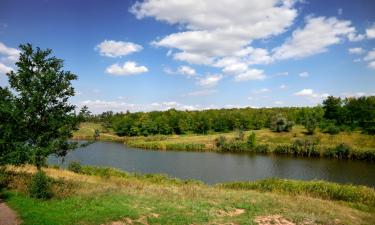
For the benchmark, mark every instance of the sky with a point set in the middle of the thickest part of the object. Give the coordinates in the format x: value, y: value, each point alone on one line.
x: 191, y: 55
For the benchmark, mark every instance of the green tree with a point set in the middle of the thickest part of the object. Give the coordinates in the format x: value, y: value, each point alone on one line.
x: 42, y: 90
x: 333, y: 109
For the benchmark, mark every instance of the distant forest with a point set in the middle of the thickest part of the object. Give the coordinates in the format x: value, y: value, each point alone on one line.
x: 334, y: 115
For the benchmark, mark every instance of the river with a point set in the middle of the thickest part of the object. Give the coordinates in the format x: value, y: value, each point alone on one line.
x: 214, y: 167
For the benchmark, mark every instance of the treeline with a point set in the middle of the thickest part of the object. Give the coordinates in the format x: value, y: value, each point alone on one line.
x: 334, y: 115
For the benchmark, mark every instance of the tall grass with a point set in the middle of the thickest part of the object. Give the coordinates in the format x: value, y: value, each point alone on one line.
x: 317, y: 189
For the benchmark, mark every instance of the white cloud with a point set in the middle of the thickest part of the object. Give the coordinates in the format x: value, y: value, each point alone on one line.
x: 356, y: 51
x: 370, y: 32
x: 210, y: 80
x: 202, y: 92
x: 187, y: 71
x: 356, y: 37
x: 112, y: 48
x: 193, y: 58
x: 4, y: 69
x: 98, y: 106
x: 370, y: 58
x: 315, y: 37
x: 371, y: 65
x: 283, y: 86
x: 11, y: 54
x: 214, y: 30
x: 129, y: 68
x: 370, y: 55
x: 251, y: 74
x: 309, y: 93
x: 304, y: 74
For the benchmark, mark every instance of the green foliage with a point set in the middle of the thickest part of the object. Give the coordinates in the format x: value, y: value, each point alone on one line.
x: 350, y: 113
x: 331, y: 129
x: 96, y: 135
x: 311, y: 119
x: 40, y: 186
x: 280, y: 124
x: 75, y: 167
x: 4, y: 178
x: 318, y: 189
x: 220, y: 141
x: 341, y: 151
x: 240, y: 134
x: 251, y: 140
x: 40, y: 118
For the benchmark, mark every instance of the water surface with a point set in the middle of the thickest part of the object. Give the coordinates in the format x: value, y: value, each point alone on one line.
x: 213, y: 167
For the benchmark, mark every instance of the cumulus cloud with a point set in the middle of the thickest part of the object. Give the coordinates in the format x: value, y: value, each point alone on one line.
x: 98, y: 106
x: 370, y: 58
x: 356, y: 51
x: 215, y: 30
x: 8, y: 56
x: 209, y: 80
x: 311, y: 94
x: 113, y: 49
x: 4, y: 69
x: 304, y: 74
x: 250, y: 74
x: 187, y: 71
x: 11, y: 54
x: 128, y: 68
x: 370, y: 32
x: 315, y: 37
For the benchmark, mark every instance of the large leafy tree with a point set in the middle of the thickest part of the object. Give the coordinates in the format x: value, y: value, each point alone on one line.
x: 42, y: 90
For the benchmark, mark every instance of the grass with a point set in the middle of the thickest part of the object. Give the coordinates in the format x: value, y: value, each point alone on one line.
x: 87, y: 129
x: 362, y: 146
x: 109, y: 195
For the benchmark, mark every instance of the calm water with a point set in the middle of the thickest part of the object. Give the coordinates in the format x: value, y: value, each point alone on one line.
x: 212, y: 167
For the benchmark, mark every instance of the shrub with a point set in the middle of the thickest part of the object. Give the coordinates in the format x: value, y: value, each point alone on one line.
x: 75, y: 167
x: 251, y: 141
x: 40, y: 186
x: 220, y: 141
x: 240, y: 135
x: 341, y: 151
x: 263, y: 148
x: 280, y: 124
x: 330, y: 127
x: 4, y: 178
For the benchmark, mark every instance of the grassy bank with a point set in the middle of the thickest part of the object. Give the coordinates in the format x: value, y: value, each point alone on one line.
x: 353, y: 145
x: 103, y: 196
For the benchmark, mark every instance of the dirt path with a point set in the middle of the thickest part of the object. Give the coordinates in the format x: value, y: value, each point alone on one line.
x: 7, y: 215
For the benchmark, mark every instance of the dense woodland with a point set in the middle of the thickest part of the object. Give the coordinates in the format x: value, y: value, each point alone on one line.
x: 334, y: 115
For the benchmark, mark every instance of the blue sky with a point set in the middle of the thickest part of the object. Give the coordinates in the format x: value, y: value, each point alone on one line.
x: 155, y: 55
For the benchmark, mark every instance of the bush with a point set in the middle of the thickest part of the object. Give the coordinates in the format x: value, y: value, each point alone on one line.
x: 330, y: 128
x: 75, y: 167
x: 40, y: 186
x: 220, y: 141
x: 251, y: 141
x: 281, y: 124
x: 4, y: 178
x: 263, y: 148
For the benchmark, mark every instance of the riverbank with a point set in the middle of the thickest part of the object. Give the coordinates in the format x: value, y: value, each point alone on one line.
x: 105, y: 196
x: 354, y: 145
